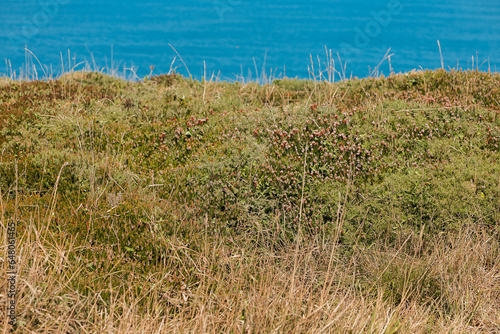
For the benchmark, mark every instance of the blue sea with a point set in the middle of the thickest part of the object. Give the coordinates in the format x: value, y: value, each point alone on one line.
x: 235, y: 39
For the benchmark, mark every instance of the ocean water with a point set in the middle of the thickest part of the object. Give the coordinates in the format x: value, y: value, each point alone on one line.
x: 239, y: 38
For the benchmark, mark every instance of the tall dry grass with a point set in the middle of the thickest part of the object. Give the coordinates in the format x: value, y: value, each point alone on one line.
x: 448, y: 283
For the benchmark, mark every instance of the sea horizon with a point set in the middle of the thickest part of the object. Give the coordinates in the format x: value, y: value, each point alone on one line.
x: 233, y: 40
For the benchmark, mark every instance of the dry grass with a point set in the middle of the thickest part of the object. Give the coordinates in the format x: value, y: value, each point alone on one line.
x: 450, y: 284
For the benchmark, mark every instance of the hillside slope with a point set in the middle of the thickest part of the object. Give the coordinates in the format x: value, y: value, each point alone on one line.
x: 175, y: 205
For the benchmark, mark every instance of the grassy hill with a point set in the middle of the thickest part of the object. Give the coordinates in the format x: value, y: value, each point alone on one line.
x: 174, y: 205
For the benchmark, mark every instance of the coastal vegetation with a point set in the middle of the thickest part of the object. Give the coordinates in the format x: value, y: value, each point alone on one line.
x: 300, y: 206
